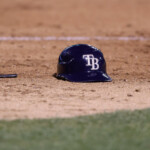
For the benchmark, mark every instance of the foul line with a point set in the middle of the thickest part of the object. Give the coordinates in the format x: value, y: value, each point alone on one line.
x: 53, y: 38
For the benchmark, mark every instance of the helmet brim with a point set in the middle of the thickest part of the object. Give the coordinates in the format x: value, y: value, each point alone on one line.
x: 85, y: 77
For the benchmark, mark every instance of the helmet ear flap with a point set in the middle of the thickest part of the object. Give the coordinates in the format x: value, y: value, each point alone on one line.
x: 65, y: 58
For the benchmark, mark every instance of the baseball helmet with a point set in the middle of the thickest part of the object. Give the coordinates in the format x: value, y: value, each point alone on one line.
x: 82, y: 63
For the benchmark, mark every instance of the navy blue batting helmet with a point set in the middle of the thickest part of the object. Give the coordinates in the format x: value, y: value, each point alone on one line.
x: 82, y: 63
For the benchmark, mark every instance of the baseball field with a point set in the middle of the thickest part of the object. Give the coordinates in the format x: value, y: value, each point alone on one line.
x: 38, y: 111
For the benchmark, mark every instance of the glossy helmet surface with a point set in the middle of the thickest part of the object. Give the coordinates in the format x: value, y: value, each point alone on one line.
x: 82, y: 63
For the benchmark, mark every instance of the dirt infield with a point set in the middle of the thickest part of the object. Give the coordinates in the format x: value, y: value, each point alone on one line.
x: 36, y: 93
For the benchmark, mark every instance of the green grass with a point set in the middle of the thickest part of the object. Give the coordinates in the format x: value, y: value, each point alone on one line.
x: 116, y: 131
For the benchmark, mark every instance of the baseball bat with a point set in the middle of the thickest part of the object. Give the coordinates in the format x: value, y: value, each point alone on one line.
x: 8, y: 75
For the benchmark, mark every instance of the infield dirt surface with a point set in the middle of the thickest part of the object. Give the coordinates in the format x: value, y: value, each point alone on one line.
x: 36, y: 93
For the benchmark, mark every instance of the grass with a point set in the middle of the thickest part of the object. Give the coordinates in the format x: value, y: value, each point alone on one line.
x: 116, y: 131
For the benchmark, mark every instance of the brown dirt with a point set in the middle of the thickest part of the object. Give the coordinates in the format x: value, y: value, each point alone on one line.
x: 36, y: 93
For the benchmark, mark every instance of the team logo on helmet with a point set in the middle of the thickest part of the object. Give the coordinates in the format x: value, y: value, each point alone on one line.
x: 91, y: 61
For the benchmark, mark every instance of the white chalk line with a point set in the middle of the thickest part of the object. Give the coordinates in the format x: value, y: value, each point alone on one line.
x: 53, y: 38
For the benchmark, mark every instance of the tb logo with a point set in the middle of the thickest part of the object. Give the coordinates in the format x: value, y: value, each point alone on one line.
x: 91, y: 61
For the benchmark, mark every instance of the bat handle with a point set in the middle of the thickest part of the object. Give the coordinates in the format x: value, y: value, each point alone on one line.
x: 8, y: 75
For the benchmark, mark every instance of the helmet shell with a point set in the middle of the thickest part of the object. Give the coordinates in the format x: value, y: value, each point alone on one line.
x: 82, y: 63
